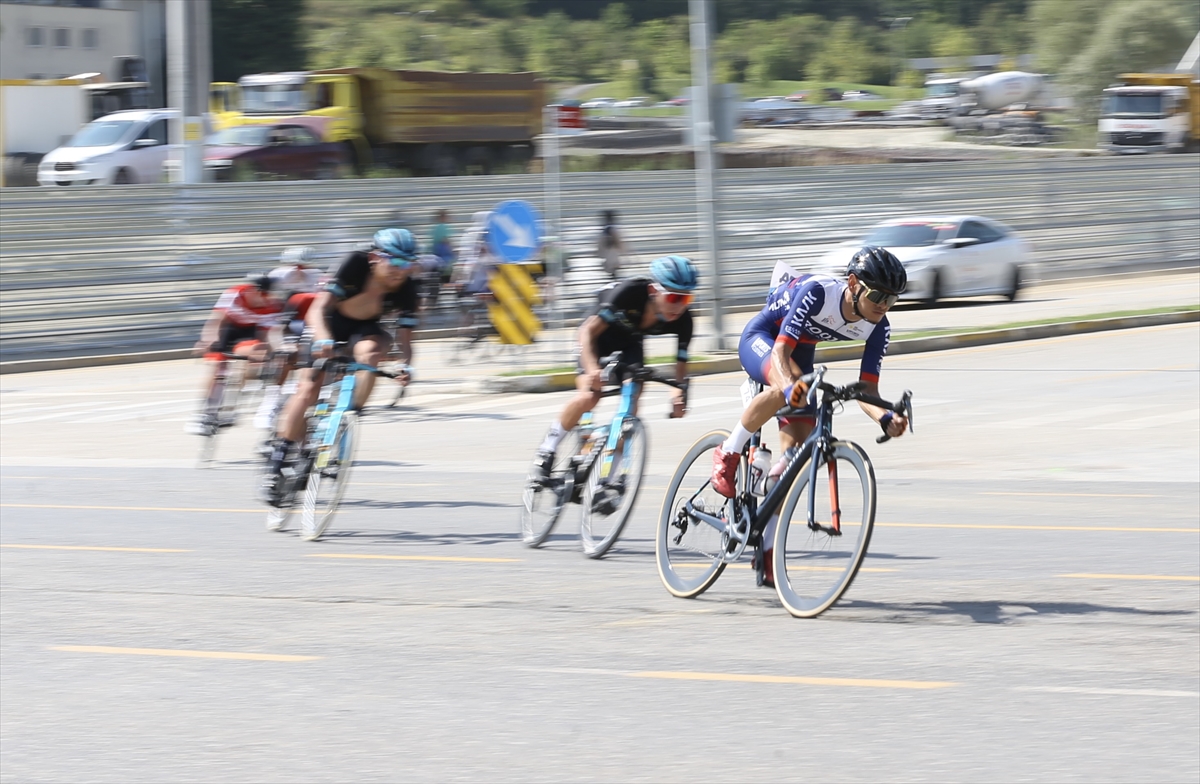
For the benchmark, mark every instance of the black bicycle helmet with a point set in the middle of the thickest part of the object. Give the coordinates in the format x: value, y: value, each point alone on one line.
x: 260, y: 280
x: 879, y: 270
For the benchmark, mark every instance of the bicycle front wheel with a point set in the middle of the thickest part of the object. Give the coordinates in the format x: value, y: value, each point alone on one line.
x: 543, y: 499
x: 814, y: 563
x: 611, y: 489
x: 690, y: 550
x: 328, y: 479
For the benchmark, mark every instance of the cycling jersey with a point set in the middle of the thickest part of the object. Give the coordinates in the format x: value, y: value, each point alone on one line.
x: 351, y: 280
x: 295, y: 312
x: 245, y: 305
x: 621, y: 307
x: 801, y: 313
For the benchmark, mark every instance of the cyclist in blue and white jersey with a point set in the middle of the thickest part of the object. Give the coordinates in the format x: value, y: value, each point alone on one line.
x: 778, y: 345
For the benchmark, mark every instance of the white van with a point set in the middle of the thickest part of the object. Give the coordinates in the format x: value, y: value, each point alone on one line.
x: 118, y: 149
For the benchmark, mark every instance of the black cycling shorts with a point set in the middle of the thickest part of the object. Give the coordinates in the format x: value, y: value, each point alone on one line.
x: 231, y: 334
x: 348, y: 330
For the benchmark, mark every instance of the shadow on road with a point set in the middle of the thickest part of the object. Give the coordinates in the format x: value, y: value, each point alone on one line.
x: 992, y: 612
x: 415, y: 537
x: 407, y: 413
x: 374, y: 504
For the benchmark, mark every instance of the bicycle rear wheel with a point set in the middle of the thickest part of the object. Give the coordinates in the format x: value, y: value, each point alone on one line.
x: 328, y: 479
x: 813, y: 567
x: 542, y: 500
x: 609, y: 500
x: 691, y: 552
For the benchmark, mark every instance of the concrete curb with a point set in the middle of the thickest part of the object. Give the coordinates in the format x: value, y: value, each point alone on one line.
x: 558, y: 382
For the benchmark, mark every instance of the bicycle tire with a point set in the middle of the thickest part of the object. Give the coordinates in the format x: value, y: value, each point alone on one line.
x: 211, y: 419
x: 816, y: 568
x: 327, y: 484
x: 542, y: 501
x: 689, y: 569
x: 598, y: 530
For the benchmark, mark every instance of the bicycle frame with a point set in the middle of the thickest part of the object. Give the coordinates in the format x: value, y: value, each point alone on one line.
x: 329, y: 421
x: 629, y: 393
x: 752, y: 516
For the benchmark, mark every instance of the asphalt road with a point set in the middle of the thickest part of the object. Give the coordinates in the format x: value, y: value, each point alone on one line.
x: 1029, y: 611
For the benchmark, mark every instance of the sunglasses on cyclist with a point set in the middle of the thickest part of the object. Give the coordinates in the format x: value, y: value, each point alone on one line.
x: 677, y: 297
x: 396, y: 261
x: 880, y: 297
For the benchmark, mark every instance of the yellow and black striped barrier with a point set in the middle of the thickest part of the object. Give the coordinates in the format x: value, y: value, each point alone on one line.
x: 516, y: 295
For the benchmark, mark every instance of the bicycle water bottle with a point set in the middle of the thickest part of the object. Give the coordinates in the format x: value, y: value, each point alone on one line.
x: 778, y: 469
x: 760, y: 466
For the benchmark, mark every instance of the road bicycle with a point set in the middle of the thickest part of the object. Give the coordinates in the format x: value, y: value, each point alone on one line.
x: 599, y: 468
x: 222, y: 405
x: 321, y: 468
x: 812, y: 559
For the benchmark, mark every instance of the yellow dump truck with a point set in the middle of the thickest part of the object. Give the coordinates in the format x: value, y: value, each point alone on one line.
x: 432, y: 122
x: 1151, y: 113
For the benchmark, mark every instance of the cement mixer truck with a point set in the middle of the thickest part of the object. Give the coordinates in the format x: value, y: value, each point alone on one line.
x: 1001, y: 105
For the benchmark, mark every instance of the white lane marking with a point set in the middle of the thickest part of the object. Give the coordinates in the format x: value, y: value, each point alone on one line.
x: 1108, y: 691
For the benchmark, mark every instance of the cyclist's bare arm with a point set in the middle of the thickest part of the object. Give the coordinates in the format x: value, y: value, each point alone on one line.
x: 591, y: 329
x: 898, y: 424
x: 210, y: 333
x: 318, y: 316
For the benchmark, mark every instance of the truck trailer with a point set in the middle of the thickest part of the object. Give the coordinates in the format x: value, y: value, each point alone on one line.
x: 432, y: 122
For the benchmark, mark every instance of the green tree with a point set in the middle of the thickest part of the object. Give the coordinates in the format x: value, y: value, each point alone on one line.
x: 849, y: 55
x: 241, y: 30
x: 1148, y: 35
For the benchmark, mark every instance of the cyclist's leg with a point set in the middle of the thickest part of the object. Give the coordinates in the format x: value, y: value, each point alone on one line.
x: 369, y: 349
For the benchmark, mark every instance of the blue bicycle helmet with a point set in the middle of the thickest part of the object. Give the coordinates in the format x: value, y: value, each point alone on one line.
x: 398, y: 243
x: 676, y: 273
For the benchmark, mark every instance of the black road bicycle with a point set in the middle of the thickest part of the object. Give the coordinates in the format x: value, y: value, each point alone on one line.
x: 819, y: 538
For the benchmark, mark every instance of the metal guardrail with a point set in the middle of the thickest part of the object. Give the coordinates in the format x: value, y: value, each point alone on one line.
x: 121, y: 269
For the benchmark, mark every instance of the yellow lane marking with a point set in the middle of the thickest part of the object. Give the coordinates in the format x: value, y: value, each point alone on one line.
x: 790, y: 568
x: 107, y: 549
x: 129, y: 508
x: 1134, y: 529
x: 801, y: 679
x: 278, y: 657
x: 414, y: 557
x: 1177, y: 578
x: 1084, y: 495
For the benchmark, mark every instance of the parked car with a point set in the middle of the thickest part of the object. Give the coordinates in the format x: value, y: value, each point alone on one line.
x: 246, y: 152
x: 798, y: 97
x: 121, y: 148
x: 631, y: 103
x: 679, y: 100
x: 946, y: 256
x: 598, y: 103
x: 860, y: 95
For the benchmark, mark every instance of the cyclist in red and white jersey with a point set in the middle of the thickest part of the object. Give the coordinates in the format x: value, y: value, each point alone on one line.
x: 238, y: 325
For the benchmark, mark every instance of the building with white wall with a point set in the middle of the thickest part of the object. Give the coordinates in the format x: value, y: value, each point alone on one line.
x: 52, y: 39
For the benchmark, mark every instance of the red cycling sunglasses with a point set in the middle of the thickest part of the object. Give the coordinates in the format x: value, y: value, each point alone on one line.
x: 677, y: 298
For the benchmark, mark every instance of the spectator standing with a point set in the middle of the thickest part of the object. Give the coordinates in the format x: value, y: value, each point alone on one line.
x: 441, y: 243
x: 610, y: 246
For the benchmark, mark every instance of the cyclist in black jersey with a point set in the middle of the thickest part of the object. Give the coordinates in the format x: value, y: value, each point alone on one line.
x: 367, y: 286
x: 628, y: 311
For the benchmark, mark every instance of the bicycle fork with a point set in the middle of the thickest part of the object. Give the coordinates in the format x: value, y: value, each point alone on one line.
x: 823, y: 450
x: 331, y: 425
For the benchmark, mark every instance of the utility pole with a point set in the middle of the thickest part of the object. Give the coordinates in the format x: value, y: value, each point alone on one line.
x: 702, y: 141
x: 189, y: 71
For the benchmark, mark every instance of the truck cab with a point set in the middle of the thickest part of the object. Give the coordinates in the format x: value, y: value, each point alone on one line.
x: 1148, y: 113
x: 941, y: 97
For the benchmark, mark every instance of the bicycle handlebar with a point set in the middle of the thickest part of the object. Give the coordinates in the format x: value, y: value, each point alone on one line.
x: 350, y: 363
x: 614, y: 372
x: 833, y: 393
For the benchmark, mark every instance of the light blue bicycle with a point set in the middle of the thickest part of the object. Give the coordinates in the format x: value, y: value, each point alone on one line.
x: 323, y: 465
x: 599, y: 468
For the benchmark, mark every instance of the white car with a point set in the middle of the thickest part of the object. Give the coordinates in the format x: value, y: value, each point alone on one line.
x: 598, y: 103
x: 631, y: 103
x: 946, y: 256
x: 121, y: 148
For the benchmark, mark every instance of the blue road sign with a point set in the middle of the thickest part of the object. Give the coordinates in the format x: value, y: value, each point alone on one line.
x: 514, y: 231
